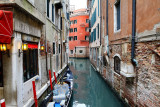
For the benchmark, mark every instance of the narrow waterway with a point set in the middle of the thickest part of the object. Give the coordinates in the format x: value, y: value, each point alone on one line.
x: 90, y: 90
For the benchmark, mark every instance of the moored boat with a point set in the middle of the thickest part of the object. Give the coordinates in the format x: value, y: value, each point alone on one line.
x: 62, y: 91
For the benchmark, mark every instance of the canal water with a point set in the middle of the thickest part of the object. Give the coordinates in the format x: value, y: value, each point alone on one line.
x: 90, y: 90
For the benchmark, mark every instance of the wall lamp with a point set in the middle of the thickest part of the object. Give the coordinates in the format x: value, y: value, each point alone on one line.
x: 42, y: 48
x: 5, y: 48
x: 24, y: 48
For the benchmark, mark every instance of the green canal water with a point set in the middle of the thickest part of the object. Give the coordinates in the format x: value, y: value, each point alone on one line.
x: 90, y: 90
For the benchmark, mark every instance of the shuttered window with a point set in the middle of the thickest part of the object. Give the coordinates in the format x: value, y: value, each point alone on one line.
x: 54, y: 48
x: 52, y: 13
x: 48, y: 1
x: 117, y: 64
x: 118, y: 13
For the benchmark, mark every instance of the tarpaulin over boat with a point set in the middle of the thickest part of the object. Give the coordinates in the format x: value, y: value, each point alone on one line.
x: 6, y: 26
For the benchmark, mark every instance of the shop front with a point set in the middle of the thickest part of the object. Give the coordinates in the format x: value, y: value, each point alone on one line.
x: 6, y: 31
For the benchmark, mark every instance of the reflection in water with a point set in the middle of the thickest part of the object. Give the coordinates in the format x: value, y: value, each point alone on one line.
x: 89, y: 88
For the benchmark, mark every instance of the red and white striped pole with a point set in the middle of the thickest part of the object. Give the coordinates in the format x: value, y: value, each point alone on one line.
x: 2, y: 102
x: 55, y: 77
x: 50, y: 78
x: 34, y: 93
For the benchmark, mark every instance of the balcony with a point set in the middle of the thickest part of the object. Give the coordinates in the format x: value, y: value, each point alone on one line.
x: 83, y: 24
x: 127, y: 70
x: 58, y: 3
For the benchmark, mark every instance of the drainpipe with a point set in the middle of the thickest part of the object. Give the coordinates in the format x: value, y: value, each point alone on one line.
x: 134, y: 61
x: 100, y: 21
x: 61, y: 36
x: 107, y: 28
x: 107, y: 18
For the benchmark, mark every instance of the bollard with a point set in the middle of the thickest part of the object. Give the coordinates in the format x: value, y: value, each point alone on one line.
x: 50, y: 79
x: 34, y: 93
x: 55, y: 77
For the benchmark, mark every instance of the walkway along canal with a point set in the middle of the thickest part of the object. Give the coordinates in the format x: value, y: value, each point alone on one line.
x: 90, y: 90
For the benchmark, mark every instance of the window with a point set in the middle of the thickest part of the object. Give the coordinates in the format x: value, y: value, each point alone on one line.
x: 98, y: 30
x: 75, y: 49
x: 86, y: 38
x: 48, y: 3
x: 52, y: 13
x: 1, y: 71
x: 71, y: 22
x: 87, y: 20
x: 87, y: 29
x: 117, y: 64
x: 30, y: 62
x: 117, y: 14
x: 71, y: 30
x: 59, y: 48
x: 75, y: 37
x: 67, y: 14
x: 71, y: 51
x: 75, y: 29
x: 75, y: 21
x: 54, y: 48
x: 70, y: 38
x: 80, y: 51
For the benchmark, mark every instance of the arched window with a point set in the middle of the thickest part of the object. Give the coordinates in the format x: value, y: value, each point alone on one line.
x: 117, y: 64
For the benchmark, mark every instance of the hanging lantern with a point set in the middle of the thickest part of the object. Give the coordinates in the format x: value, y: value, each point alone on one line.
x: 42, y: 47
x: 24, y: 46
x: 3, y: 47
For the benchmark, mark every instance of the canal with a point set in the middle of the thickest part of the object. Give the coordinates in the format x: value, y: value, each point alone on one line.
x: 90, y: 90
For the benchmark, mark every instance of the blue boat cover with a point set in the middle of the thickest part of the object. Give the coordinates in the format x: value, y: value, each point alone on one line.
x: 57, y: 105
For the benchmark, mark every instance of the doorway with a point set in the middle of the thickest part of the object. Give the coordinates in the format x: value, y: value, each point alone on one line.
x: 1, y: 70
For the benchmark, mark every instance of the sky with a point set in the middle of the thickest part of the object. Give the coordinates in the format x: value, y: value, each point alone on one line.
x: 79, y: 4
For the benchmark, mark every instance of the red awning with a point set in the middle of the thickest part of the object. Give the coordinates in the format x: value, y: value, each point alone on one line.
x: 32, y: 46
x: 6, y: 26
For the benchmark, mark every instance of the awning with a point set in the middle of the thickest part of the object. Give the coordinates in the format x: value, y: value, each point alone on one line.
x: 6, y: 26
x: 32, y: 46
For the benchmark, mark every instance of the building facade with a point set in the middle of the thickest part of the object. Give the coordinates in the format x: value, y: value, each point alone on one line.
x: 95, y: 38
x: 79, y: 34
x: 129, y: 58
x: 38, y: 44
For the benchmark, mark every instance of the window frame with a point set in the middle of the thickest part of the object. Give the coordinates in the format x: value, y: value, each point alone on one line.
x: 28, y: 63
x: 54, y: 48
x: 75, y: 37
x: 75, y: 22
x: 71, y: 51
x: 87, y: 29
x: 53, y: 15
x: 71, y: 30
x: 75, y: 29
x: 81, y: 51
x: 87, y: 20
x: 118, y: 2
x: 71, y: 38
x: 59, y: 48
x: 117, y: 64
x: 48, y: 8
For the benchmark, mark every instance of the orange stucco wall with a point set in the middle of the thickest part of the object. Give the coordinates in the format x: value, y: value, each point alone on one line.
x: 81, y: 33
